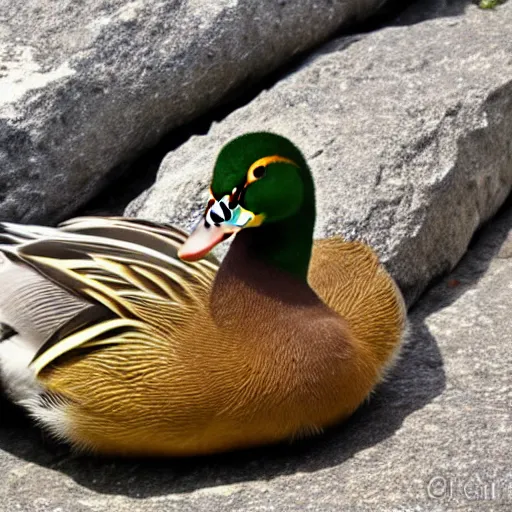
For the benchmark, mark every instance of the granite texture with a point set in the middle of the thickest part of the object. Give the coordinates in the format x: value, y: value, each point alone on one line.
x: 406, y: 129
x: 86, y: 87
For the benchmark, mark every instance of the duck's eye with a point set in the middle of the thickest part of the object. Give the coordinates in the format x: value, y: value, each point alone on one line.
x: 259, y: 172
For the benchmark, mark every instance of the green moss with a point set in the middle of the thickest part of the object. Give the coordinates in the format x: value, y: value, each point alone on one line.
x: 489, y: 4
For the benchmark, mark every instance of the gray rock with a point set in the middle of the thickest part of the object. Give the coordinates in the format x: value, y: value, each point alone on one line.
x: 435, y: 436
x: 85, y: 88
x: 407, y: 131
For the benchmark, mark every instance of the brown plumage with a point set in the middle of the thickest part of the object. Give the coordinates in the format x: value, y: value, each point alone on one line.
x: 115, y: 344
x: 251, y: 357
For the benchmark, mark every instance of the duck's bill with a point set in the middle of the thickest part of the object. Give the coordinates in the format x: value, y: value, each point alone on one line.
x: 203, y: 239
x: 220, y: 221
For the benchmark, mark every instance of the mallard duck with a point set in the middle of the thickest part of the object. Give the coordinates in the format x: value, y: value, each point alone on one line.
x: 122, y: 336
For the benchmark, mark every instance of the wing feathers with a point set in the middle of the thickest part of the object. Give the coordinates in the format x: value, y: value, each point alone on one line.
x: 80, y: 338
x: 89, y: 316
x: 32, y: 305
x: 163, y: 238
x: 115, y: 264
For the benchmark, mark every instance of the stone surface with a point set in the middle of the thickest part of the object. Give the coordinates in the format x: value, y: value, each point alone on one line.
x: 407, y: 131
x: 84, y: 89
x: 435, y: 437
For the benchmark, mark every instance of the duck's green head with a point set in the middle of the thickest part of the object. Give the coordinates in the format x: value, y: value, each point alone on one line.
x: 258, y: 179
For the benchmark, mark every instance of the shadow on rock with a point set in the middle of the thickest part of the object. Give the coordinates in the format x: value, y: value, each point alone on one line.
x: 405, y: 12
x: 424, y: 10
x: 415, y: 381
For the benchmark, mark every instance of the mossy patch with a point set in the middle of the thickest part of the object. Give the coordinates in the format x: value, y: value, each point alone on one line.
x: 490, y: 4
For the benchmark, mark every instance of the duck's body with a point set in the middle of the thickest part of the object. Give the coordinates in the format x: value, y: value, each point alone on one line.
x: 189, y: 358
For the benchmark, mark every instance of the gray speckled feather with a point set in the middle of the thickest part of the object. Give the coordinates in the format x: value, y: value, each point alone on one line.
x: 32, y: 305
x: 76, y: 279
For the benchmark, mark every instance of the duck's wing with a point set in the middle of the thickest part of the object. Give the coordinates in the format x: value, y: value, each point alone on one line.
x: 350, y: 279
x: 96, y: 281
x: 165, y: 238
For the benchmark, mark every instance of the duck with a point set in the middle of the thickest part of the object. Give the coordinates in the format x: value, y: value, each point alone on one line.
x: 126, y: 337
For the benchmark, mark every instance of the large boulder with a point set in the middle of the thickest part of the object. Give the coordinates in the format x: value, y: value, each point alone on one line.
x: 435, y: 436
x: 407, y: 131
x: 85, y: 87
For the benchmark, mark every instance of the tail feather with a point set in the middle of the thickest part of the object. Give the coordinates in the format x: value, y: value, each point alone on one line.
x: 18, y: 380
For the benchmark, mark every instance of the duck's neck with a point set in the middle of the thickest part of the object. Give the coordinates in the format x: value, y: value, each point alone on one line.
x: 284, y: 245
